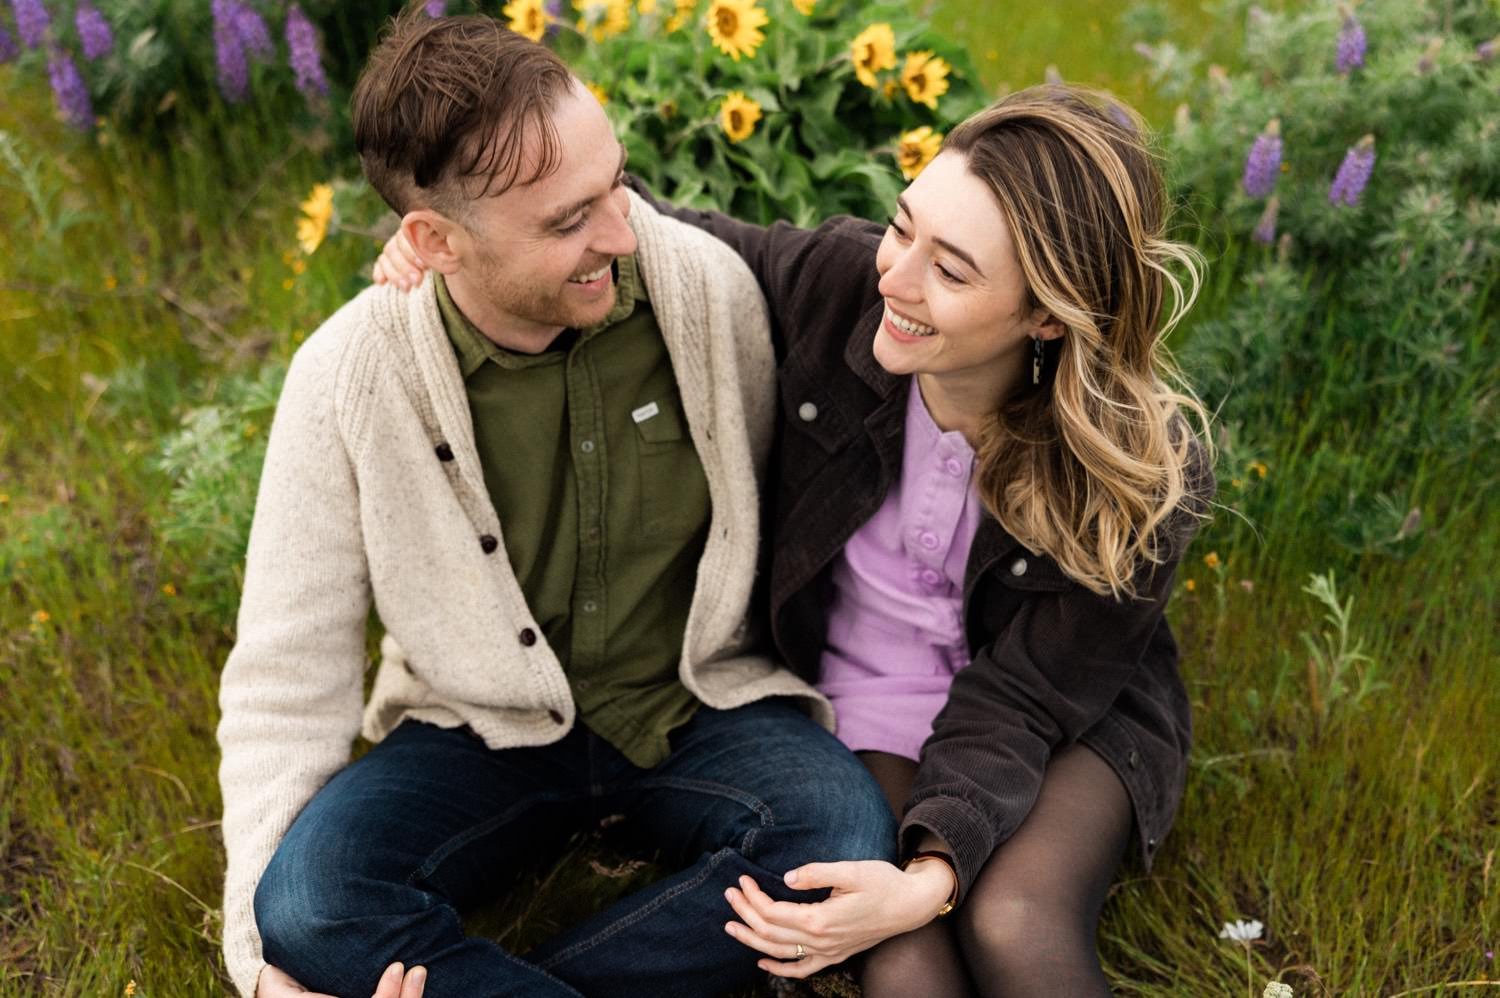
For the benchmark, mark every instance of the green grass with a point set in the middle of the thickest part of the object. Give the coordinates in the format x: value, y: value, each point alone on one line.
x: 1363, y: 836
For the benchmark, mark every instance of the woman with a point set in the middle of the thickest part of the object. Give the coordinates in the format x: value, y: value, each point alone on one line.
x: 984, y: 485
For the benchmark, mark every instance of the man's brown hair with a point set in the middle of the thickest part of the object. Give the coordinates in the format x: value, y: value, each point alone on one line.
x: 448, y: 100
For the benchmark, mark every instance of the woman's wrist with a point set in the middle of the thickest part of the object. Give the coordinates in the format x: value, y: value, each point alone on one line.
x: 934, y: 884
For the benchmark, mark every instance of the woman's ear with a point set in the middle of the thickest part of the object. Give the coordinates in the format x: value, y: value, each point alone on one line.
x: 438, y: 241
x: 1046, y: 325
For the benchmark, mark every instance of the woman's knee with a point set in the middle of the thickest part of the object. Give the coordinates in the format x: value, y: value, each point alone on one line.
x: 1020, y: 929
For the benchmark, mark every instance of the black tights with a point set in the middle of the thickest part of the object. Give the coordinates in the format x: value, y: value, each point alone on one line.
x: 1028, y: 925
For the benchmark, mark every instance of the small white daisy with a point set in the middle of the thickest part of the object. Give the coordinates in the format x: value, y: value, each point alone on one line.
x: 1241, y: 932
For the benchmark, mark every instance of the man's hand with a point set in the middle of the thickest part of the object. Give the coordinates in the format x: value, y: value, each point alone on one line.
x: 396, y: 982
x: 399, y: 264
x: 871, y: 901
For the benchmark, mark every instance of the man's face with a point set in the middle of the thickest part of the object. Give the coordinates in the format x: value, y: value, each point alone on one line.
x: 539, y: 255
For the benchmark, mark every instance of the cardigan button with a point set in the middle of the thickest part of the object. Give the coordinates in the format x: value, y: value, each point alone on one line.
x: 1018, y: 567
x: 527, y: 637
x: 807, y: 412
x: 556, y: 716
x: 444, y: 452
x: 488, y: 544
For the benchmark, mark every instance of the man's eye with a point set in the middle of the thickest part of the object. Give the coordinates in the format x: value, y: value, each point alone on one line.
x: 568, y: 230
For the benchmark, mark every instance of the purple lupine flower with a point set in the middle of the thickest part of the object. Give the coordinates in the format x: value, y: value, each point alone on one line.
x: 436, y: 8
x: 229, y: 54
x: 93, y: 31
x: 254, y: 35
x: 302, y: 40
x: 1352, y: 44
x: 1263, y: 164
x: 1354, y: 173
x: 554, y: 9
x: 69, y: 89
x: 8, y: 49
x: 1265, y: 229
x: 1487, y: 49
x: 32, y: 21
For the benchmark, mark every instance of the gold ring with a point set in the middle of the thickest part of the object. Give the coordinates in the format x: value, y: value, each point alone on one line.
x: 800, y: 953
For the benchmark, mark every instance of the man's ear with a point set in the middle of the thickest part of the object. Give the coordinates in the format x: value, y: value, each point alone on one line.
x: 438, y: 241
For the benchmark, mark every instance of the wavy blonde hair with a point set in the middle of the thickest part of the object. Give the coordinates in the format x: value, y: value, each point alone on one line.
x: 1089, y: 466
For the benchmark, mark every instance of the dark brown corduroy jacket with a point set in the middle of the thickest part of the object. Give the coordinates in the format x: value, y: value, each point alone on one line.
x: 1052, y: 662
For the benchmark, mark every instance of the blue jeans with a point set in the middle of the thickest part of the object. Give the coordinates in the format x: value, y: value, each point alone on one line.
x: 378, y: 865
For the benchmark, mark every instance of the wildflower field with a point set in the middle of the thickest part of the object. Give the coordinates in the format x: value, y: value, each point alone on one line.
x: 180, y: 208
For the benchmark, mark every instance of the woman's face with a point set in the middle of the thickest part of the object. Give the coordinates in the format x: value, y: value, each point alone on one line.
x: 956, y: 302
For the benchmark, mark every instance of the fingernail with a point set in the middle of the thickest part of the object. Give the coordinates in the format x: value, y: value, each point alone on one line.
x: 729, y: 927
x: 791, y: 877
x: 420, y: 976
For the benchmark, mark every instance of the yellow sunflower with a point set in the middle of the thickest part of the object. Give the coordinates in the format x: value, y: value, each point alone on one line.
x: 915, y: 149
x: 735, y: 25
x: 527, y: 17
x: 646, y: 7
x: 925, y: 77
x: 872, y: 50
x: 602, y: 18
x: 317, y: 212
x: 683, y: 14
x: 805, y: 7
x: 738, y: 115
x: 598, y: 92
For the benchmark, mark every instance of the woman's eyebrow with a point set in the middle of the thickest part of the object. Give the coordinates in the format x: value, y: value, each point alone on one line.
x: 945, y: 244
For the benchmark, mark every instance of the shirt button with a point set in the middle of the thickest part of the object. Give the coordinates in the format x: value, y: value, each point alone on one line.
x: 589, y: 606
x: 587, y: 447
x: 527, y: 637
x: 1018, y: 567
x: 807, y: 411
x: 931, y: 577
x: 928, y: 540
x: 955, y: 466
x: 444, y: 452
x: 1150, y: 843
x: 488, y: 544
x: 556, y: 716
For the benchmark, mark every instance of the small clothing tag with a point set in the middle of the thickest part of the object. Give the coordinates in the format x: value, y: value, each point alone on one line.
x: 645, y: 412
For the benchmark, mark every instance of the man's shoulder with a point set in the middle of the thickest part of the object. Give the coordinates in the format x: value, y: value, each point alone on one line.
x: 368, y: 326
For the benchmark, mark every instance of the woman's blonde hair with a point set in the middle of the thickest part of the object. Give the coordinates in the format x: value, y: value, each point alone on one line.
x: 1088, y: 466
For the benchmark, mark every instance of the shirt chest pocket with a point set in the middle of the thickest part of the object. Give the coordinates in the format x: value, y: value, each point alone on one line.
x: 673, y: 494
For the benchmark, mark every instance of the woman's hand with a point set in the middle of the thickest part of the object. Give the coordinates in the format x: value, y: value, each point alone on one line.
x: 396, y: 982
x: 871, y: 901
x: 398, y: 264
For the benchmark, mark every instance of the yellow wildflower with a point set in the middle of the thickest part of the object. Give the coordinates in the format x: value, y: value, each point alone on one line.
x: 299, y: 266
x: 526, y: 17
x: 1259, y: 467
x: 646, y: 7
x: 734, y: 26
x: 1190, y: 585
x: 317, y: 212
x: 1211, y: 559
x: 40, y: 617
x: 169, y: 590
x: 288, y: 284
x: 603, y: 18
x: 915, y: 149
x: 872, y: 50
x: 4, y: 499
x: 684, y: 13
x: 805, y: 7
x: 598, y: 92
x: 1235, y: 483
x: 738, y: 115
x: 925, y: 77
x: 130, y: 988
x: 111, y: 282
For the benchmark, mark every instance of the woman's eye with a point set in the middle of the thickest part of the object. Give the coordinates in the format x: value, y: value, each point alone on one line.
x: 900, y: 232
x: 947, y: 274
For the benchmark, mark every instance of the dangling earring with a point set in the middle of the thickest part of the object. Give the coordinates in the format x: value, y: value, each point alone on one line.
x: 1037, y: 356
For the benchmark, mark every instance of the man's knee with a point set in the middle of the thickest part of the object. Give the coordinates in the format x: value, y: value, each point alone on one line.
x: 840, y: 816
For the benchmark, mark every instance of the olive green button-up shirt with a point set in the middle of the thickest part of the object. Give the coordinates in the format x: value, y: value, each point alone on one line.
x: 587, y: 459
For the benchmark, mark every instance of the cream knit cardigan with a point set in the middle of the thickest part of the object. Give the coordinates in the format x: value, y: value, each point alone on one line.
x: 355, y: 504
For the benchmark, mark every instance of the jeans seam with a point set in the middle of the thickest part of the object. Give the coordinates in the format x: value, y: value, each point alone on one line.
x: 614, y: 928
x: 747, y: 800
x: 437, y: 857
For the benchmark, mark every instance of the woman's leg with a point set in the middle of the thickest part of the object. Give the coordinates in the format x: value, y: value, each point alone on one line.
x: 1030, y: 922
x: 925, y: 962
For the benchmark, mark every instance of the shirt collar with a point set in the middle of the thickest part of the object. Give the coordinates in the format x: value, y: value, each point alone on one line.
x: 473, y: 348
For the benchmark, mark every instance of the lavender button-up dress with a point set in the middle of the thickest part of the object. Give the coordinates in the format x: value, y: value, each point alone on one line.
x: 895, y: 627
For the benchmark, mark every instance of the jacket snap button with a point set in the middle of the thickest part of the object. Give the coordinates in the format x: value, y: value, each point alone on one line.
x: 807, y: 411
x: 444, y: 452
x: 488, y: 544
x: 1018, y: 567
x: 527, y: 637
x: 556, y: 716
x: 1134, y: 758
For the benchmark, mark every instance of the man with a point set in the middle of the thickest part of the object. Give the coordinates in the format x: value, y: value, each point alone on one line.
x: 542, y: 467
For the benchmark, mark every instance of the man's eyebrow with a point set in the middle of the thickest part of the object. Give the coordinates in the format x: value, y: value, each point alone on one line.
x: 945, y: 244
x: 557, y: 218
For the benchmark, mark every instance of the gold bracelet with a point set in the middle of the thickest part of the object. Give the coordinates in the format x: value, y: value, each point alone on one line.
x: 947, y: 861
